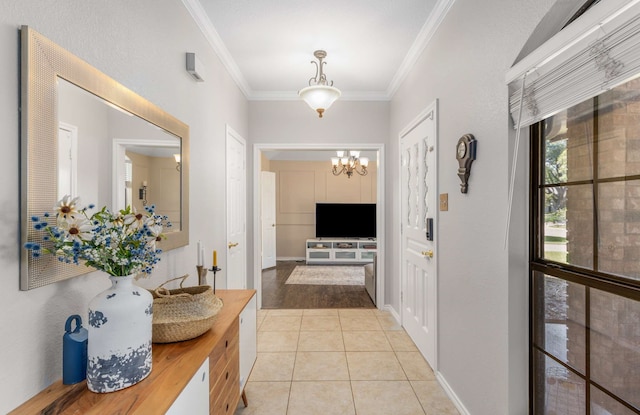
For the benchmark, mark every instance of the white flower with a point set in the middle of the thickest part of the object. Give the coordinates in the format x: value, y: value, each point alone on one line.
x: 67, y: 208
x: 136, y: 220
x: 78, y: 229
x: 118, y: 243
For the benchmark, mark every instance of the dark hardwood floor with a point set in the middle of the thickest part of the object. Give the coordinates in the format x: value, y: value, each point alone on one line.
x: 275, y: 294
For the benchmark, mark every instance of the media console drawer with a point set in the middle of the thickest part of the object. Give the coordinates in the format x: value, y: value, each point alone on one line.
x: 340, y: 250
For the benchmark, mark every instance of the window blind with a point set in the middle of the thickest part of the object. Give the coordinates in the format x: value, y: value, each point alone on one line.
x: 604, y: 55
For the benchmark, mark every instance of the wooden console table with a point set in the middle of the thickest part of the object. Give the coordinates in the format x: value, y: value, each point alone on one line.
x: 174, y: 364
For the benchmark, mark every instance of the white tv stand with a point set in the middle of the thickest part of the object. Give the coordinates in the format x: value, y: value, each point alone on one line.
x: 341, y: 250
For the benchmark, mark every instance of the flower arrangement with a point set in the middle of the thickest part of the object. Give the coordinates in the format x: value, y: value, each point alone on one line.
x: 119, y: 244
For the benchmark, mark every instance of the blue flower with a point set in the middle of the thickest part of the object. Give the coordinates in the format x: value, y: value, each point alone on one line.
x: 117, y: 243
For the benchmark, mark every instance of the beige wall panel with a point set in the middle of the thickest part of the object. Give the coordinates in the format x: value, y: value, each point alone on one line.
x: 290, y: 240
x: 299, y: 196
x: 300, y: 184
x: 296, y: 218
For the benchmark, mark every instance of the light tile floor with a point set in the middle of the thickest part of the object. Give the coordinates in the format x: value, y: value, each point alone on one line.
x: 339, y: 362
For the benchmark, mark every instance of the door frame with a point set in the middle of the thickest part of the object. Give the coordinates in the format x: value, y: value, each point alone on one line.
x: 380, y: 211
x: 264, y: 205
x: 426, y: 113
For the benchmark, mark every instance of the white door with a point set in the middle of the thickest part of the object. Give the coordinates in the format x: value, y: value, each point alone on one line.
x: 268, y: 205
x: 236, y: 211
x: 418, y: 155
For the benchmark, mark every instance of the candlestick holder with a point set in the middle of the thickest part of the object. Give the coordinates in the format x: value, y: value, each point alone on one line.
x: 215, y: 269
x: 202, y: 274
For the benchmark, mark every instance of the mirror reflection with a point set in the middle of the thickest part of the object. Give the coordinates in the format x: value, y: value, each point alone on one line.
x: 83, y: 133
x: 95, y: 136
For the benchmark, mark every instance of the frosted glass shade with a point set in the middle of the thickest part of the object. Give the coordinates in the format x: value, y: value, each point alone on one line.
x: 364, y: 161
x: 319, y: 97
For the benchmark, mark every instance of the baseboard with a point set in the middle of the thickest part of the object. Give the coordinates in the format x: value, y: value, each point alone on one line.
x: 291, y: 258
x: 441, y: 380
x: 452, y: 395
x: 393, y: 312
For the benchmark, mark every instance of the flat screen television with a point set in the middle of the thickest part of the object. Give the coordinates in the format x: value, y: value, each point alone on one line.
x: 345, y: 220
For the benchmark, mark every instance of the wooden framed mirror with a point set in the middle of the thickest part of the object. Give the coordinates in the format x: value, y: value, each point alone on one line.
x: 85, y: 134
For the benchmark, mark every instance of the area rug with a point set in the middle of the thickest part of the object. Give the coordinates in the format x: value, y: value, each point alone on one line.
x: 327, y: 275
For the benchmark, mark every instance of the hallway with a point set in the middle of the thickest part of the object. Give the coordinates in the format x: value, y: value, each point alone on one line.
x: 339, y: 361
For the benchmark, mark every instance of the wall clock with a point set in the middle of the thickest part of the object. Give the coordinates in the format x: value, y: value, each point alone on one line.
x: 465, y: 153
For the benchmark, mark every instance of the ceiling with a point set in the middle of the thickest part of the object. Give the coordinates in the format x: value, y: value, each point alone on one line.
x: 267, y: 45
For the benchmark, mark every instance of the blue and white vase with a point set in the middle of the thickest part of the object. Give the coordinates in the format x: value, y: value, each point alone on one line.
x: 120, y: 329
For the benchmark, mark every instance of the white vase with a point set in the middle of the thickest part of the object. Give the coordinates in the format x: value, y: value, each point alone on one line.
x: 120, y: 328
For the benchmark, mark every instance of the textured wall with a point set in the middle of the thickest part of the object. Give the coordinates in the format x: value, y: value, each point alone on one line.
x: 141, y: 44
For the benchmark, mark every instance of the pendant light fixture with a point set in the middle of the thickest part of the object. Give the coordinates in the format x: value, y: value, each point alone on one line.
x: 320, y: 94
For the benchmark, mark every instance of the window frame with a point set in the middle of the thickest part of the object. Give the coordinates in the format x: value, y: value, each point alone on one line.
x: 589, y: 278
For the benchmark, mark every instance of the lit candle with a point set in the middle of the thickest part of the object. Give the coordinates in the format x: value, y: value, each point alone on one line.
x: 199, y: 254
x: 215, y: 259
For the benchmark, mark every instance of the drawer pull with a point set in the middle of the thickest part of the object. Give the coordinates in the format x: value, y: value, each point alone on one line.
x: 226, y: 376
x: 226, y: 344
x: 227, y: 408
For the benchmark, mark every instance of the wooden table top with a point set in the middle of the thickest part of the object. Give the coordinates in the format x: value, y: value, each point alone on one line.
x: 173, y: 366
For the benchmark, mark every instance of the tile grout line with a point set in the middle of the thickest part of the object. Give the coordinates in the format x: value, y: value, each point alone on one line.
x: 353, y: 396
x: 342, y: 334
x: 293, y: 369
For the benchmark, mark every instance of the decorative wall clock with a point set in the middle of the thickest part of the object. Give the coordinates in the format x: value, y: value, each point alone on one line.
x: 465, y: 153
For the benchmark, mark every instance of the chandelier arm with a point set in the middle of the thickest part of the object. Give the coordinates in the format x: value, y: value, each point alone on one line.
x: 322, y: 79
x: 337, y: 172
x: 315, y: 78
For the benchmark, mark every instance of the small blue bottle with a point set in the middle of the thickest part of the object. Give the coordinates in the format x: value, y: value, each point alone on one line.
x: 74, y: 352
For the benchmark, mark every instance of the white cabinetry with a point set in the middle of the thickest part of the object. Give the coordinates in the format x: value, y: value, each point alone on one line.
x: 248, y: 341
x: 340, y: 251
x: 194, y: 398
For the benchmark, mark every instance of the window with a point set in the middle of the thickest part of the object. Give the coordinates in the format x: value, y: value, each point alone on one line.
x: 585, y: 257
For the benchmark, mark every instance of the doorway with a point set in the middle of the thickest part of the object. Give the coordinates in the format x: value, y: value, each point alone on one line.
x: 259, y: 152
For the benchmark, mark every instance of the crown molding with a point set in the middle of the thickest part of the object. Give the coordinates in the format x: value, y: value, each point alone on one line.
x: 436, y: 17
x: 199, y: 15
x: 293, y: 96
x: 202, y: 20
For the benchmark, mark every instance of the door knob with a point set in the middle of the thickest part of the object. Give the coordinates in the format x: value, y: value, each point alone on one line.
x: 232, y: 244
x: 428, y: 254
x: 273, y: 225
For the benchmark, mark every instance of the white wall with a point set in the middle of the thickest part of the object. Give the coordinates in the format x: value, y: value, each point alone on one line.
x: 142, y: 44
x: 294, y: 122
x: 483, y: 309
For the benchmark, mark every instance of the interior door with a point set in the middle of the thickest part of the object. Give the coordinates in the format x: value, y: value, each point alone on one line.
x: 418, y: 152
x: 236, y: 211
x: 268, y: 204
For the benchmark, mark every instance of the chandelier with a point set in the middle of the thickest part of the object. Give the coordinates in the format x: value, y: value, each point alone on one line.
x: 349, y: 164
x: 320, y: 94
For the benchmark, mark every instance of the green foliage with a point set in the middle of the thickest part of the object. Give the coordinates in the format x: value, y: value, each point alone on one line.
x: 557, y: 216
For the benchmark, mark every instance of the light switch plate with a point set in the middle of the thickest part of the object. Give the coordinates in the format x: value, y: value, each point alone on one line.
x: 444, y: 201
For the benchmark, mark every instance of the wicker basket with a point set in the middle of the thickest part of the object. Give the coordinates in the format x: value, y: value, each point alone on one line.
x: 183, y: 313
